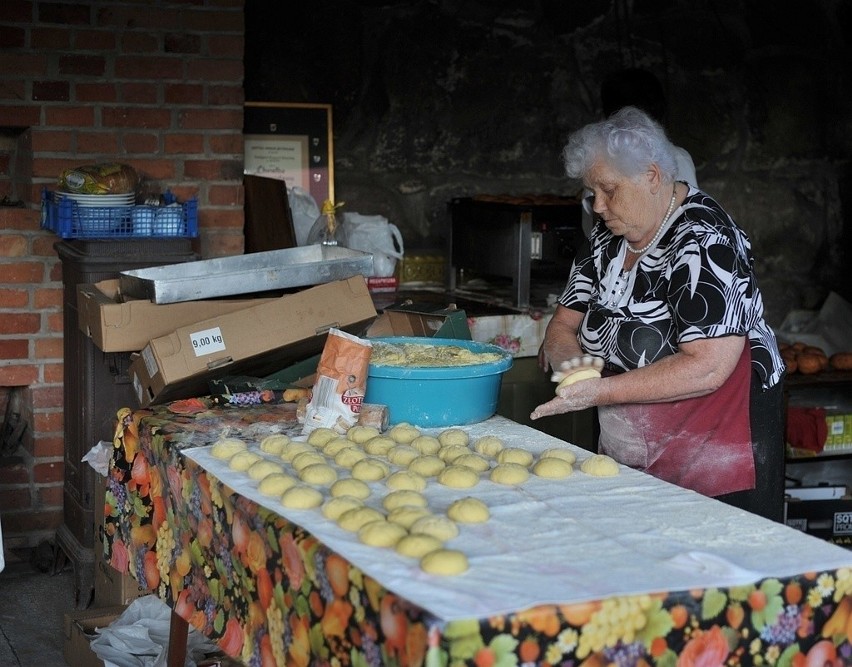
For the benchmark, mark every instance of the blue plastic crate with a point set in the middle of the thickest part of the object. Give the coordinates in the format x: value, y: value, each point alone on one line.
x: 68, y: 220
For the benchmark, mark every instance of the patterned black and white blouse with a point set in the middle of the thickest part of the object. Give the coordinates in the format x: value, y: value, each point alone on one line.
x: 697, y: 282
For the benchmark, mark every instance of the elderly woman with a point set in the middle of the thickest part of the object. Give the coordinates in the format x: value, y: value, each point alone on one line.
x: 663, y: 298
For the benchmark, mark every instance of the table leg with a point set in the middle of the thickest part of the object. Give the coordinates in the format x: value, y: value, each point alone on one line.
x: 178, y: 631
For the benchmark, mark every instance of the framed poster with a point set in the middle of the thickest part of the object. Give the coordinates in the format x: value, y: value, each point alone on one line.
x: 292, y: 143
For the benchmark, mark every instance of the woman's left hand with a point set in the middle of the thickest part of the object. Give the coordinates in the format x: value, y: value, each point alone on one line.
x: 574, y: 397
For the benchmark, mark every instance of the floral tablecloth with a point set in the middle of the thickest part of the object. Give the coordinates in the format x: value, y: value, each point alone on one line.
x: 271, y: 594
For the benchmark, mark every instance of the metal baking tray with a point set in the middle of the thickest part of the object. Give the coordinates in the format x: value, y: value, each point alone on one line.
x: 241, y: 274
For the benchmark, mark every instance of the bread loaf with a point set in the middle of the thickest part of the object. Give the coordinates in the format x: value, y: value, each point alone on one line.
x: 809, y: 363
x: 841, y: 361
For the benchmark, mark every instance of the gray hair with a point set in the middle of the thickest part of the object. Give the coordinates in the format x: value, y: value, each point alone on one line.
x: 629, y: 140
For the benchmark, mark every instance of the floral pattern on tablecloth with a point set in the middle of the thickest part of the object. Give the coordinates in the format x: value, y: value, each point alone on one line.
x: 271, y: 595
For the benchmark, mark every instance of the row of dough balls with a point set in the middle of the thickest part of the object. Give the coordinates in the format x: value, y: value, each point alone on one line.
x: 360, y: 450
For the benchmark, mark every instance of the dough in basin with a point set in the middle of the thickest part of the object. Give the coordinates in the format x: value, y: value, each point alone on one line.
x: 468, y: 510
x: 301, y: 497
x: 445, y: 562
x: 224, y: 449
x: 350, y: 487
x: 552, y: 468
x: 381, y: 533
x: 600, y: 465
x: 509, y: 474
x: 417, y: 545
x: 458, y: 477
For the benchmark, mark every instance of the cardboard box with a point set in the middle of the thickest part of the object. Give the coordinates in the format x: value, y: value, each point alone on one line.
x: 254, y: 341
x: 127, y: 327
x: 839, y: 433
x: 830, y: 520
x: 79, y: 628
x: 112, y: 588
x: 414, y: 321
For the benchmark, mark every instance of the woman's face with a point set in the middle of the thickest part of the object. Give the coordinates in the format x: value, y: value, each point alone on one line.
x: 623, y: 203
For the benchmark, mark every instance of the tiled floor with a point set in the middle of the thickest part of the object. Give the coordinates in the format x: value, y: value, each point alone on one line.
x: 32, y: 606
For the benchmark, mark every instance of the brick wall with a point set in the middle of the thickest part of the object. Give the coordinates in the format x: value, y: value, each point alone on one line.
x: 157, y: 85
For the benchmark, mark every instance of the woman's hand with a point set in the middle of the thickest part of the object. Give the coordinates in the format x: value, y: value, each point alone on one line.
x: 578, y: 396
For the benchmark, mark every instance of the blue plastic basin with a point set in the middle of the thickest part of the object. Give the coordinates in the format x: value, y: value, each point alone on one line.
x: 438, y: 396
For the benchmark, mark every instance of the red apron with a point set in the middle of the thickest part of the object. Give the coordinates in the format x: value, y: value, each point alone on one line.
x: 702, y: 443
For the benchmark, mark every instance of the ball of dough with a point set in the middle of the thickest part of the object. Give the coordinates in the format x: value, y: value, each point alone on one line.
x: 418, y: 545
x: 473, y: 461
x: 260, y: 469
x: 305, y: 459
x: 559, y: 453
x: 226, y: 448
x: 353, y: 519
x: 453, y: 436
x: 301, y: 497
x: 318, y: 473
x: 348, y: 457
x: 600, y: 465
x: 381, y: 533
x: 515, y: 455
x: 334, y: 507
x: 488, y: 445
x: 370, y: 470
x: 292, y: 449
x: 361, y: 434
x: 426, y: 444
x: 319, y: 436
x: 405, y: 479
x: 427, y: 465
x: 350, y: 487
x: 450, y: 453
x: 402, y: 455
x: 510, y: 474
x: 444, y: 562
x: 458, y: 477
x: 403, y: 433
x: 379, y: 446
x: 406, y: 515
x: 437, y: 526
x: 552, y: 468
x: 582, y: 374
x: 276, y: 484
x: 274, y: 443
x: 403, y: 497
x: 468, y: 510
x: 243, y: 460
x: 334, y: 446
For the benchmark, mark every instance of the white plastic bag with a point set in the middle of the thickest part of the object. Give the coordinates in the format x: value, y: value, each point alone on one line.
x: 304, y: 210
x: 140, y: 637
x: 374, y: 234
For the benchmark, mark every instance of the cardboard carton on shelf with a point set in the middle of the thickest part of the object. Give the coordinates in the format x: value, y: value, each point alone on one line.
x: 253, y: 341
x: 116, y: 325
x: 829, y: 520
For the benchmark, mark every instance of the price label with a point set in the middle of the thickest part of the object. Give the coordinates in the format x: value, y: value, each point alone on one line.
x: 207, y: 341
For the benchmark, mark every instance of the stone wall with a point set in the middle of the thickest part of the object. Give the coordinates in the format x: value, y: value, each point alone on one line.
x: 440, y: 99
